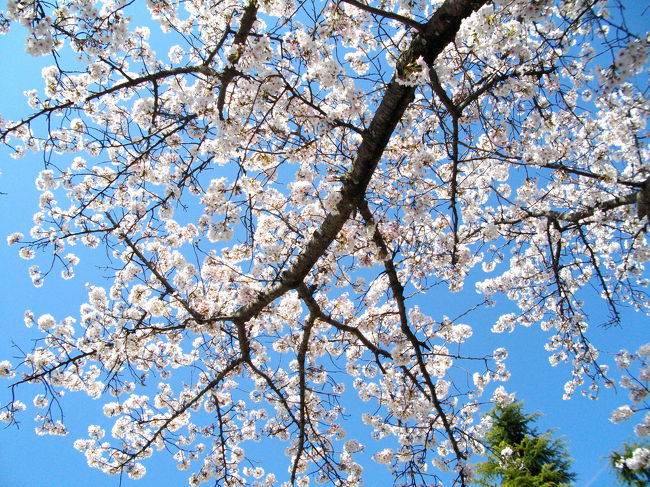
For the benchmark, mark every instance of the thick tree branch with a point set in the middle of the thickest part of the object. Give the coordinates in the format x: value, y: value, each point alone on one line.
x: 245, y: 26
x: 393, y: 278
x: 383, y: 13
x: 302, y: 356
x: 577, y: 216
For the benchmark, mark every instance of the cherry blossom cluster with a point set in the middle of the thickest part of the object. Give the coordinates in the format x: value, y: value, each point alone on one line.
x: 636, y: 381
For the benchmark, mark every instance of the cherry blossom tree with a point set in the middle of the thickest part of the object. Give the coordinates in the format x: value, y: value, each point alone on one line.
x: 278, y: 195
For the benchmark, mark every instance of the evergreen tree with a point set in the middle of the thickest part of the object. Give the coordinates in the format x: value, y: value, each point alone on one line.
x: 631, y: 464
x: 518, y: 456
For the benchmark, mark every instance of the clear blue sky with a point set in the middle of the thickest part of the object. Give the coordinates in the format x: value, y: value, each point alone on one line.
x: 29, y: 460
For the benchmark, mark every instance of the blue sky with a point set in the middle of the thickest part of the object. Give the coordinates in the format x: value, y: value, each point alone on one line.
x: 29, y: 460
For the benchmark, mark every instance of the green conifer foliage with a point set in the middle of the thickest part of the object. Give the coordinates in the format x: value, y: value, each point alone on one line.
x: 519, y: 456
